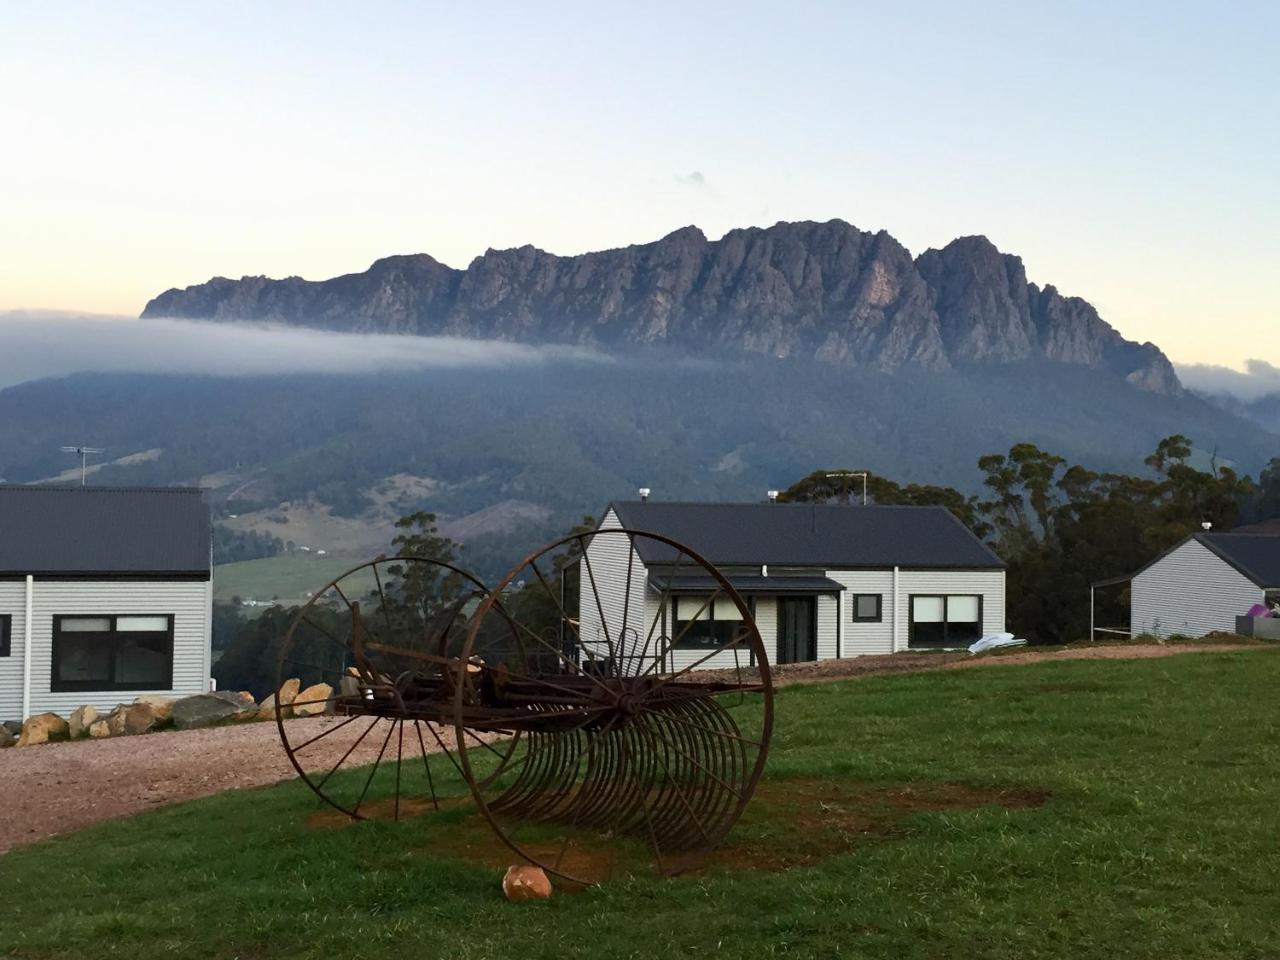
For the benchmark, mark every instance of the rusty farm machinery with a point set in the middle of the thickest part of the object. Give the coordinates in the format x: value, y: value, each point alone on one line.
x: 588, y: 693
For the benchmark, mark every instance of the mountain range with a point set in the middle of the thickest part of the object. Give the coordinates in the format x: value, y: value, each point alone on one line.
x: 823, y: 291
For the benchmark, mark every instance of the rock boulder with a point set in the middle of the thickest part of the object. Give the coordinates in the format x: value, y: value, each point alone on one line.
x: 7, y: 739
x: 526, y: 882
x: 161, y: 707
x: 99, y: 729
x: 41, y: 728
x: 205, y: 709
x: 313, y: 701
x: 140, y: 718
x: 81, y: 719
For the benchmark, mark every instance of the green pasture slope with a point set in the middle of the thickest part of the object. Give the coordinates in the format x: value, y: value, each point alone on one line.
x: 290, y: 577
x: 1160, y: 838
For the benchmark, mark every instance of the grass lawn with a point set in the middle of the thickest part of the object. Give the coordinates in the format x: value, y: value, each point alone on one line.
x: 1159, y: 837
x: 290, y: 577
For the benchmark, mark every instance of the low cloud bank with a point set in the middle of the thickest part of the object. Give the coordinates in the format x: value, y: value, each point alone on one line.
x: 1259, y: 379
x: 36, y: 344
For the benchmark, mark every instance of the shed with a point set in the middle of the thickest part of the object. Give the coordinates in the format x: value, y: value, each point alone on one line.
x: 106, y: 593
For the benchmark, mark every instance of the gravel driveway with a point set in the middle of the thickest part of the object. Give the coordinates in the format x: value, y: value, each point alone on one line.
x: 60, y: 787
x: 46, y: 787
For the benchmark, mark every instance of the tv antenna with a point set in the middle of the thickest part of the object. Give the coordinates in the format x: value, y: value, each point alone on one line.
x: 84, y: 456
x: 852, y: 473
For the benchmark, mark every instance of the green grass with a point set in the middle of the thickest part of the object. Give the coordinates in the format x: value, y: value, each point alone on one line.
x: 289, y: 576
x: 1160, y: 838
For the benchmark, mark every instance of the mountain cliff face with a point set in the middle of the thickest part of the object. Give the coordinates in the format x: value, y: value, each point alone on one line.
x: 824, y: 290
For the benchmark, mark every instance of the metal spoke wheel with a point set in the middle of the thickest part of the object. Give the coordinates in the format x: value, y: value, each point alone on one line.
x: 641, y: 684
x: 385, y: 638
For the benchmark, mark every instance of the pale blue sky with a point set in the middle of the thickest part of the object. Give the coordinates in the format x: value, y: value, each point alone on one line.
x: 1130, y: 153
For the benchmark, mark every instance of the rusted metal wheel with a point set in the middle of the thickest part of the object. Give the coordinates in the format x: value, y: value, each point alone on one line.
x: 386, y: 638
x: 639, y: 679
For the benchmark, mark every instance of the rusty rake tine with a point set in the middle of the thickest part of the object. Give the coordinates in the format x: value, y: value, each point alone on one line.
x: 426, y: 765
x: 558, y: 654
x: 754, y: 743
x: 382, y: 597
x: 376, y: 763
x: 595, y: 593
x: 350, y: 750
x: 737, y: 641
x: 321, y: 736
x: 626, y: 594
x: 399, y: 761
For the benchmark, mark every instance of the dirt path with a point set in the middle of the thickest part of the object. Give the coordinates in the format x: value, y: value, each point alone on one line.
x: 60, y: 787
x: 787, y: 674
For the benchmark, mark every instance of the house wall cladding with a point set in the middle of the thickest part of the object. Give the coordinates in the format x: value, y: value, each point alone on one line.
x: 187, y: 601
x: 607, y: 559
x: 13, y: 603
x: 1191, y: 591
x: 865, y: 638
x: 989, y: 584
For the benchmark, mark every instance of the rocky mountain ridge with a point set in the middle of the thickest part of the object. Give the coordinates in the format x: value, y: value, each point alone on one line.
x: 828, y: 291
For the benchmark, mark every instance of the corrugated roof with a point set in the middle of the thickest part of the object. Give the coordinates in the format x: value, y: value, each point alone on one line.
x: 807, y: 535
x: 746, y: 585
x: 1256, y: 555
x: 107, y: 530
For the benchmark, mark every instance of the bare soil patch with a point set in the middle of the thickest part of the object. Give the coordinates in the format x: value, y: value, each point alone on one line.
x: 788, y: 823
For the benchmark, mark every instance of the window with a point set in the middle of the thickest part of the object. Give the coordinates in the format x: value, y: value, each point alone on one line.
x: 865, y: 607
x: 945, y: 621
x: 702, y: 624
x: 112, y: 653
x: 6, y: 634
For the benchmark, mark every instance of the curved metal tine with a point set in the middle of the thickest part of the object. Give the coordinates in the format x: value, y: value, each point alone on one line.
x: 626, y: 598
x: 737, y: 641
x: 710, y: 602
x: 576, y: 807
x: 376, y: 763
x: 728, y: 736
x: 683, y: 798
x: 604, y: 623
x: 648, y: 817
x: 382, y: 601
x: 694, y: 760
x: 664, y: 603
x: 426, y: 764
x: 350, y: 750
x: 399, y: 760
x: 564, y: 616
x: 558, y: 653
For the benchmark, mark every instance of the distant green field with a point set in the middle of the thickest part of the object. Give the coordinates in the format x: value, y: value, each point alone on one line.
x: 1152, y: 835
x: 288, y: 578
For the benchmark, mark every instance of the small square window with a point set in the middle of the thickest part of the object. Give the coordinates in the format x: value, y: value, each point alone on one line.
x: 866, y: 607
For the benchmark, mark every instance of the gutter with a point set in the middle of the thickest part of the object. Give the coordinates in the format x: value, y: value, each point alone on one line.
x: 26, y: 648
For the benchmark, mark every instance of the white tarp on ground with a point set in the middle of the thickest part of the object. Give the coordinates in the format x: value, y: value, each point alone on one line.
x: 995, y: 641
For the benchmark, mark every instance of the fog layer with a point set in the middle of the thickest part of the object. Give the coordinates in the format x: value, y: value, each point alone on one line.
x: 1259, y: 379
x: 36, y: 344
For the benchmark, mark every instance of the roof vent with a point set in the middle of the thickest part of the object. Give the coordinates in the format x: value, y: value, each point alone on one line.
x: 1206, y: 526
x: 644, y: 494
x: 773, y: 496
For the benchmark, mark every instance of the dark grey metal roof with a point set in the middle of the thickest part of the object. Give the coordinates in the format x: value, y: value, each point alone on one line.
x: 747, y: 585
x: 806, y: 535
x: 103, y: 530
x: 1256, y: 555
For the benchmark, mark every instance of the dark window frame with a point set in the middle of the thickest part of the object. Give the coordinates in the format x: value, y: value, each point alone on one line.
x: 6, y: 634
x: 693, y: 640
x: 946, y: 611
x: 77, y: 686
x: 853, y: 608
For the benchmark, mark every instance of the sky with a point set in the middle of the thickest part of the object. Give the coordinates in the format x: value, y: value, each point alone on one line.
x: 1129, y: 153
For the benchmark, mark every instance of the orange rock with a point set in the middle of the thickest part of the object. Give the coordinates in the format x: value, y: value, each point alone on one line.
x: 526, y: 883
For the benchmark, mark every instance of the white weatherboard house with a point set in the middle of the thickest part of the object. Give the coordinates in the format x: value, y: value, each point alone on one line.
x: 823, y: 581
x: 106, y: 593
x: 1204, y: 583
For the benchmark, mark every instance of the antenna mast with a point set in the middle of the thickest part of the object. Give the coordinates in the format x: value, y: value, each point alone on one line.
x: 84, y: 456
